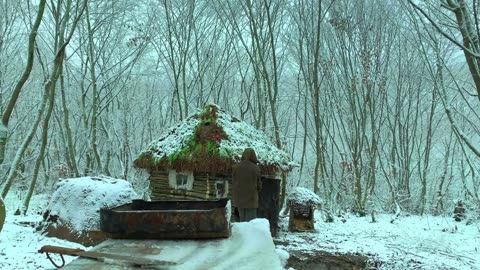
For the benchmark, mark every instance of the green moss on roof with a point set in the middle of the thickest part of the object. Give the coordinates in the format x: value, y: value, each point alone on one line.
x: 211, y: 141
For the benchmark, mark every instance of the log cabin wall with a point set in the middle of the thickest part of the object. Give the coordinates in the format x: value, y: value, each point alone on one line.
x: 206, y: 186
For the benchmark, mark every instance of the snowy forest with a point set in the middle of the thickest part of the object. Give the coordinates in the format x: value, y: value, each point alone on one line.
x: 375, y: 100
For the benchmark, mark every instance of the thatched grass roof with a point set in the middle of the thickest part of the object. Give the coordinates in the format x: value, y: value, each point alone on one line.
x: 211, y: 141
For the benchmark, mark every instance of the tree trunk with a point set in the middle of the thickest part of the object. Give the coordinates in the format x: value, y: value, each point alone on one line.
x: 50, y: 87
x: 471, y: 40
x: 2, y: 213
x: 96, y: 164
x: 70, y: 151
x: 18, y: 88
x: 26, y: 142
x: 50, y: 95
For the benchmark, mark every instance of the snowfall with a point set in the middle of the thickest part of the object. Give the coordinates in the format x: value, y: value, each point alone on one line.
x: 410, y: 242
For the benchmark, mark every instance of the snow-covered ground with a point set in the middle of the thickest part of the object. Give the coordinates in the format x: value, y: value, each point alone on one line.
x: 409, y: 243
x: 20, y: 242
x: 249, y: 247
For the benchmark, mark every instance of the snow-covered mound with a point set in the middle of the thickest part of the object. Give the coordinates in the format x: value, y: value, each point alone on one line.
x: 73, y: 212
x: 304, y: 196
x: 77, y: 201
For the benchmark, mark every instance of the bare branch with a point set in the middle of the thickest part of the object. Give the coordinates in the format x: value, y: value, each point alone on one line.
x: 453, y: 40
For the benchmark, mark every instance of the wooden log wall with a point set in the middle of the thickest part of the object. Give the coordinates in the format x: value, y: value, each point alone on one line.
x: 204, y: 187
x: 301, y: 218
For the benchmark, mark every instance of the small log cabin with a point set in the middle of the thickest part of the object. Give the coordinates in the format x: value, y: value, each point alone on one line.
x: 193, y: 160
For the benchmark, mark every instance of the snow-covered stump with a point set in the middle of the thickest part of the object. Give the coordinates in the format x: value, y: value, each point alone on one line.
x: 302, y: 203
x: 73, y: 212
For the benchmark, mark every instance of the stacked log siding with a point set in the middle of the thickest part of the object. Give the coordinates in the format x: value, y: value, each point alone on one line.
x: 204, y: 187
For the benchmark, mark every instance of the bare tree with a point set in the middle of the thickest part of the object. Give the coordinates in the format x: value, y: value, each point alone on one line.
x: 6, y: 115
x: 261, y: 44
x: 12, y: 102
x: 453, y: 19
x: 176, y: 46
x: 467, y: 24
x: 72, y: 14
x: 10, y: 45
x: 109, y: 45
x: 309, y: 22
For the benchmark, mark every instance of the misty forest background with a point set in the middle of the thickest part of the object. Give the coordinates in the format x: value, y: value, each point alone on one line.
x: 376, y: 100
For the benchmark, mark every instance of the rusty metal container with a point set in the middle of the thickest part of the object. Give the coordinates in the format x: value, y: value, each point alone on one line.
x: 167, y: 220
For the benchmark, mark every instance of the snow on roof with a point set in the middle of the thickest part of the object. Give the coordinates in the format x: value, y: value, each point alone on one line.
x: 237, y: 136
x: 303, y: 195
x: 241, y: 135
x: 174, y: 139
x: 88, y: 194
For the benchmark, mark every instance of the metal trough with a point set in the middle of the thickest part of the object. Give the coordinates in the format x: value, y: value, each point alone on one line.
x: 167, y: 220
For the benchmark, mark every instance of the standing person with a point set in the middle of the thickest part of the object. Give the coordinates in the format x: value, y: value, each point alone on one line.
x: 246, y: 185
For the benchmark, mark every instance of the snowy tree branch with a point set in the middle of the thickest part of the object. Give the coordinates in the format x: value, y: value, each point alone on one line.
x: 453, y: 40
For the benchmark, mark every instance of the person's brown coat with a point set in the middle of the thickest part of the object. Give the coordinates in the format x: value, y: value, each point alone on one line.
x: 246, y: 181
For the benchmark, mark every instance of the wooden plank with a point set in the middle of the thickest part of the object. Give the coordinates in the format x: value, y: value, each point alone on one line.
x: 158, y: 178
x: 179, y: 197
x: 158, y: 173
x: 185, y: 193
x: 158, y: 190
